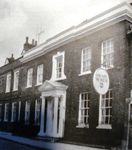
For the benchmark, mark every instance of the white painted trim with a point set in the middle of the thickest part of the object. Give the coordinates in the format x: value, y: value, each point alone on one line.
x: 1, y: 113
x: 15, y: 88
x: 55, y: 91
x: 26, y: 110
x: 19, y: 110
x: 89, y: 71
x: 82, y: 126
x: 102, y: 53
x: 104, y: 126
x: 38, y: 72
x: 41, y: 132
x: 85, y: 73
x: 99, y: 119
x: 28, y: 77
x: 54, y: 63
x: 12, y: 111
x: 114, y: 15
x: 6, y: 120
x: 79, y: 112
x: 8, y: 83
x: 36, y: 110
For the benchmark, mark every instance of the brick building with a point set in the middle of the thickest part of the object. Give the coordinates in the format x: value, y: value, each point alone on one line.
x: 49, y: 91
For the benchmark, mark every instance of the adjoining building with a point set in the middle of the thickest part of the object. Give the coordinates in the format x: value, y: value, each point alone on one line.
x: 48, y: 92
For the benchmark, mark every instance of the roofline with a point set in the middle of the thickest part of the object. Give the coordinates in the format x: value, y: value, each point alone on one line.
x: 109, y: 17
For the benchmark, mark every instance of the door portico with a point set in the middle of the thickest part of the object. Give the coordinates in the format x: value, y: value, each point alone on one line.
x: 53, y: 107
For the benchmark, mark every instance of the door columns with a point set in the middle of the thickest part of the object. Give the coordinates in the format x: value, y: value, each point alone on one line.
x: 55, y: 120
x: 41, y: 132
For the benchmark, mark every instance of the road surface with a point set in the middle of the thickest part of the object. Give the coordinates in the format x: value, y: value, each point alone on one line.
x: 7, y: 145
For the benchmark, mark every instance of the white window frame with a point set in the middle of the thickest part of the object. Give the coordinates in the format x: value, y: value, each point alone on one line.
x: 8, y: 82
x: 6, y: 118
x: 88, y: 59
x: 12, y: 113
x: 54, y: 66
x: 81, y: 119
x: 19, y: 110
x: 29, y: 77
x: 0, y: 112
x: 102, y: 111
x: 27, y: 112
x: 16, y: 80
x: 37, y: 111
x: 109, y: 53
x: 40, y: 69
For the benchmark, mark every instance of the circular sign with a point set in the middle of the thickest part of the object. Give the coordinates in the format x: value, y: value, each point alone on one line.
x: 101, y: 81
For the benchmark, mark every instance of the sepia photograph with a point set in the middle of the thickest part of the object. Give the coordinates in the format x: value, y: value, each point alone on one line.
x: 65, y: 75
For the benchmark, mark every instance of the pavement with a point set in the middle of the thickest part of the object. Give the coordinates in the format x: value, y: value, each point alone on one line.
x: 41, y: 144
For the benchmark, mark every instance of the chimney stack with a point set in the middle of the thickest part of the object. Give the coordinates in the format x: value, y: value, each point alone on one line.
x: 27, y: 39
x: 33, y: 42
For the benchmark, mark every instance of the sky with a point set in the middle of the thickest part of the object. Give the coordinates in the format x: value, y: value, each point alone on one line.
x: 21, y: 18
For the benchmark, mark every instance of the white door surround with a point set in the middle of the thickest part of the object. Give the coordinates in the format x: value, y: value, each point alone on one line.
x: 53, y: 110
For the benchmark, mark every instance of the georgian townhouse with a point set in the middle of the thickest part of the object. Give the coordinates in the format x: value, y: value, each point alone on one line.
x: 54, y: 84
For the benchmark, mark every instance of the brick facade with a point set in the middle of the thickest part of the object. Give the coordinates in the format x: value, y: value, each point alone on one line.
x: 120, y: 83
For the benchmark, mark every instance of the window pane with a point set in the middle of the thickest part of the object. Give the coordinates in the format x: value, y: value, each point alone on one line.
x: 86, y: 59
x: 106, y: 106
x: 84, y: 109
x: 108, y: 53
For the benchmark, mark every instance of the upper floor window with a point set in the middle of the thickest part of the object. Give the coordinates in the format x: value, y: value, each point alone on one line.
x: 83, y: 120
x: 107, y: 59
x: 27, y: 112
x: 8, y: 82
x: 6, y: 112
x: 40, y: 74
x: 86, y: 61
x: 105, y: 110
x: 37, y: 112
x: 14, y: 112
x: 29, y: 77
x: 58, y: 66
x: 16, y: 80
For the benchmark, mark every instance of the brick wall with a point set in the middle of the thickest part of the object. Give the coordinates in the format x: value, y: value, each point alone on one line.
x: 119, y: 82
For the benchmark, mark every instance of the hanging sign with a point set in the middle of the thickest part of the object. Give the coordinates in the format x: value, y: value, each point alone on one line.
x: 101, y: 81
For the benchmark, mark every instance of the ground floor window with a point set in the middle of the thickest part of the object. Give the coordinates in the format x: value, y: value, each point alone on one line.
x: 14, y: 112
x: 6, y: 113
x: 37, y: 112
x: 0, y: 112
x: 27, y: 112
x: 105, y: 110
x: 19, y: 110
x: 84, y: 100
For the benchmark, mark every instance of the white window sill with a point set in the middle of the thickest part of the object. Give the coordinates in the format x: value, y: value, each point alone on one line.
x: 5, y: 120
x: 85, y: 73
x: 15, y: 90
x: 7, y: 91
x: 39, y: 84
x: 104, y: 126
x: 28, y: 87
x: 58, y: 79
x: 12, y: 121
x: 107, y: 68
x: 82, y: 126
